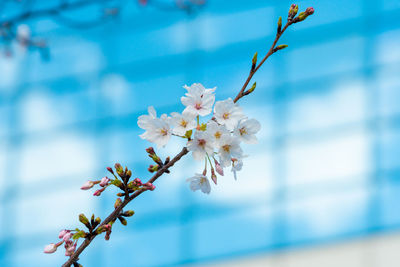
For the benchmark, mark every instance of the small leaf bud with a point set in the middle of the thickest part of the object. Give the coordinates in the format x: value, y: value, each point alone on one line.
x: 117, y: 203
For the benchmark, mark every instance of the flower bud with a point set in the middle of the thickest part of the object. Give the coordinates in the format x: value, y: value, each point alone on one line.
x: 167, y: 160
x: 119, y: 169
x: 84, y: 220
x: 117, y: 203
x: 120, y: 194
x: 252, y: 88
x: 137, y: 181
x: 96, y: 222
x: 149, y: 186
x: 129, y: 174
x: 63, y: 233
x: 254, y: 61
x: 50, y: 248
x: 310, y: 10
x: 293, y: 11
x: 280, y: 47
x: 128, y: 213
x: 67, y: 236
x: 153, y: 168
x: 303, y: 15
x: 110, y: 170
x: 218, y: 168
x: 213, y: 176
x: 98, y: 192
x: 70, y: 248
x: 123, y: 220
x: 104, y: 181
x: 150, y: 150
x: 279, y: 25
x: 87, y: 185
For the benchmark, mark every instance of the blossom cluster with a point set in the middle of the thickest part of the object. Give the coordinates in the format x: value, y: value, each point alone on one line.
x: 65, y: 236
x: 216, y: 141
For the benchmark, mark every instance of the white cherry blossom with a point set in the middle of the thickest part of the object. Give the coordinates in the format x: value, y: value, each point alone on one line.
x: 157, y: 129
x: 198, y: 100
x: 145, y: 121
x: 246, y: 130
x: 229, y: 148
x: 201, y: 145
x: 216, y: 131
x: 182, y: 122
x: 228, y: 113
x: 199, y: 182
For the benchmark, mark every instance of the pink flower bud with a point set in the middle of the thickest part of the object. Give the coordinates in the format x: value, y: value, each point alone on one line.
x: 110, y: 170
x: 150, y: 186
x: 104, y: 181
x: 213, y: 176
x: 50, y: 248
x: 87, y: 185
x: 137, y: 181
x: 98, y: 192
x: 67, y: 236
x: 219, y: 168
x: 310, y: 10
x: 63, y: 233
x: 70, y: 248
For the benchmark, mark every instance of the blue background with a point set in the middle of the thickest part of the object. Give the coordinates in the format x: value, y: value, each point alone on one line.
x: 327, y: 166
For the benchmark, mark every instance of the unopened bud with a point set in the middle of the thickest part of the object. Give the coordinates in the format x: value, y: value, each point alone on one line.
x: 218, y: 168
x: 279, y: 25
x: 95, y: 222
x: 213, y: 176
x: 129, y: 174
x: 153, y: 168
x: 119, y: 169
x: 128, y: 213
x: 87, y: 185
x: 67, y: 236
x: 84, y: 220
x: 63, y: 233
x: 98, y: 192
x: 120, y: 194
x: 110, y: 170
x: 51, y: 248
x: 293, y: 11
x: 104, y: 181
x: 310, y: 10
x: 117, y: 203
x: 149, y: 186
x: 303, y: 15
x: 123, y: 220
x: 150, y: 150
x: 137, y: 181
x: 280, y: 47
x: 252, y: 88
x: 254, y: 61
x: 167, y: 160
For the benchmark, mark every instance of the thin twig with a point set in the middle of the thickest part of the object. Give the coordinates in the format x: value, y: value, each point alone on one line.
x: 253, y: 71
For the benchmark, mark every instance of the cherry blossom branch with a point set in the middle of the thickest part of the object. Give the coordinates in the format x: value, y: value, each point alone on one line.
x: 113, y: 216
x: 132, y: 189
